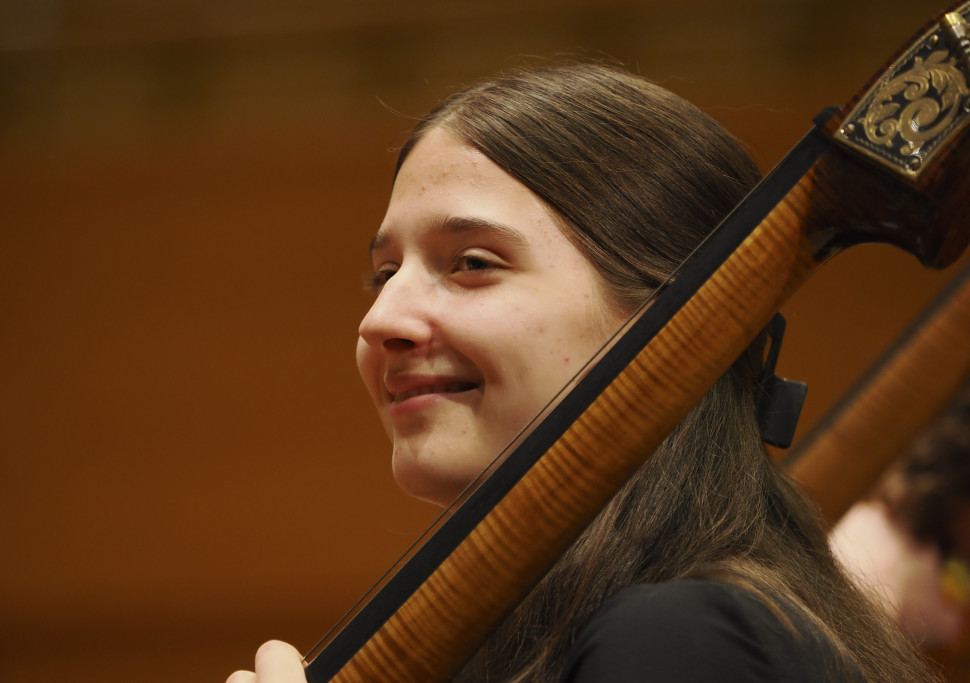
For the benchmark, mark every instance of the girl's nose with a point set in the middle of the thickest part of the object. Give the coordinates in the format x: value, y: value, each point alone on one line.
x: 399, y: 318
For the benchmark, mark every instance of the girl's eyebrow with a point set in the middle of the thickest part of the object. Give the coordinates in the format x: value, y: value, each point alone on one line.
x: 453, y: 225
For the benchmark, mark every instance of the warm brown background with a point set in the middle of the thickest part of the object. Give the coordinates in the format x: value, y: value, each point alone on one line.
x: 187, y: 464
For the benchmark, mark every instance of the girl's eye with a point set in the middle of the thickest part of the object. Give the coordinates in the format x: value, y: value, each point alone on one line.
x: 466, y: 263
x: 379, y: 279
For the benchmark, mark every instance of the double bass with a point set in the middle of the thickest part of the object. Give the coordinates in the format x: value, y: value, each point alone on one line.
x: 891, y: 166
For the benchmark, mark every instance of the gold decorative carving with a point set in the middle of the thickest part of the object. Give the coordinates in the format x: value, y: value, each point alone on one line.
x: 934, y: 89
x: 919, y: 104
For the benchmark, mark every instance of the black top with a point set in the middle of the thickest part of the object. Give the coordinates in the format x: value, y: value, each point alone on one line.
x: 697, y: 630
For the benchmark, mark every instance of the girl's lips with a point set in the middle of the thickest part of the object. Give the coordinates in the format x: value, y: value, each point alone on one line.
x: 426, y: 395
x: 442, y: 388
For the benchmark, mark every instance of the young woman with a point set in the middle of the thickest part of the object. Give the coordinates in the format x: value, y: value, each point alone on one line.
x: 910, y: 539
x: 530, y: 215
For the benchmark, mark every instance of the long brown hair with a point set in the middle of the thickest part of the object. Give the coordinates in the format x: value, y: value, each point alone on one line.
x: 638, y: 177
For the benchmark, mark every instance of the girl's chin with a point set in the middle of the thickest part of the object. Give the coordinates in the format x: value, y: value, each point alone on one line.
x: 434, y: 482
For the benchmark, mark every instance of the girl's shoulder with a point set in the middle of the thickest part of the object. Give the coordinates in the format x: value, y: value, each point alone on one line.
x: 698, y: 630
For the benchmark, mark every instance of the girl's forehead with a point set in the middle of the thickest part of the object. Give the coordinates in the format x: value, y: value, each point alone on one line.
x: 441, y: 157
x: 444, y: 176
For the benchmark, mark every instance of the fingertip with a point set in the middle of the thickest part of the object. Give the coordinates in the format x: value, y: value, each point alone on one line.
x: 278, y: 661
x: 277, y: 648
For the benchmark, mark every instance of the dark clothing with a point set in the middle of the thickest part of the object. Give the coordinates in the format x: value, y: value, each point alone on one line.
x: 697, y: 630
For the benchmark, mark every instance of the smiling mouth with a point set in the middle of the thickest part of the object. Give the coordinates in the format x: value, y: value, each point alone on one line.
x: 446, y: 388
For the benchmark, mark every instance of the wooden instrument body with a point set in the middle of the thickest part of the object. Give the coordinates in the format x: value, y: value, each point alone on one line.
x: 851, y: 447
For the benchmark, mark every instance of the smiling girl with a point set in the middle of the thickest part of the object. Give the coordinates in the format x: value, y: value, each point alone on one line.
x: 531, y: 215
x: 484, y: 311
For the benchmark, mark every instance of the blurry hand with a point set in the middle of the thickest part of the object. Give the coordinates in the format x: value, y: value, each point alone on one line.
x: 276, y: 662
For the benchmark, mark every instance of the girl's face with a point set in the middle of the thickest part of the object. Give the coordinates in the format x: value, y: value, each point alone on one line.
x: 484, y: 311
